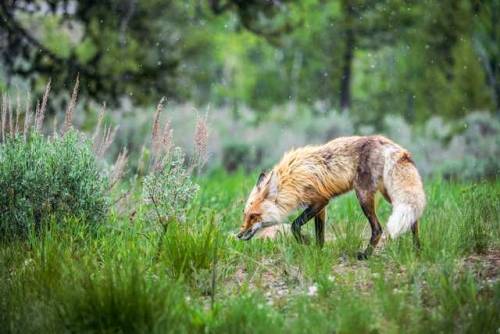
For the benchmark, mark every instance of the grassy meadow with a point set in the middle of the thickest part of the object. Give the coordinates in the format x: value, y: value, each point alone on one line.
x: 132, y: 132
x: 119, y: 276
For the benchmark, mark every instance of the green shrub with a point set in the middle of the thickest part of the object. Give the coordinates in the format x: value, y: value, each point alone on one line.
x: 48, y: 177
x: 235, y: 155
x: 169, y: 190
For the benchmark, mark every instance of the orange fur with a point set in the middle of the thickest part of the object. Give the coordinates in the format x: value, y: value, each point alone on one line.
x: 313, y: 175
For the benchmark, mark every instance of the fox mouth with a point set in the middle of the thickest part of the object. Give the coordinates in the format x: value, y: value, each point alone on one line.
x: 250, y: 232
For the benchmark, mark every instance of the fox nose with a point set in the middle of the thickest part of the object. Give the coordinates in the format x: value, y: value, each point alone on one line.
x: 239, y: 235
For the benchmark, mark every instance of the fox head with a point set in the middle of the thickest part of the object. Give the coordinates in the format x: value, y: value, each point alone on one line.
x: 261, y: 209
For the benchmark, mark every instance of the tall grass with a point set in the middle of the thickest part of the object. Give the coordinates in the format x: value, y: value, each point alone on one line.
x: 71, y: 279
x: 187, y: 250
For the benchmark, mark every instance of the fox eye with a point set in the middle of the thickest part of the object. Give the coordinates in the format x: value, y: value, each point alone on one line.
x: 254, y: 216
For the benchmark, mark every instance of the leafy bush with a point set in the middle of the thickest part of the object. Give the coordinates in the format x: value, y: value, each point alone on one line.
x: 49, y: 177
x: 464, y: 149
x: 240, y: 154
x: 473, y: 153
x: 169, y: 190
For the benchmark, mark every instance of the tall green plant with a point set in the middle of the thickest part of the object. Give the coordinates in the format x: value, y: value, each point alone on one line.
x: 168, y: 189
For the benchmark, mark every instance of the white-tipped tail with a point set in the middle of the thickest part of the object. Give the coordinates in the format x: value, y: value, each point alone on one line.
x: 401, y: 220
x: 404, y: 186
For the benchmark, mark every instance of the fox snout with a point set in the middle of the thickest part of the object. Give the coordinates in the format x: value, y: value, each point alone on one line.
x: 260, y: 209
x: 245, y: 233
x: 248, y: 231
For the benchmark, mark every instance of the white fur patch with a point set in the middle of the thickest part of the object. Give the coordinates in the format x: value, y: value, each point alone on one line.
x: 273, y: 232
x: 256, y: 227
x: 402, y: 218
x: 271, y: 212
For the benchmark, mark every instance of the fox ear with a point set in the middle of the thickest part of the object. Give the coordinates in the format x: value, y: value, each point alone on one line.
x: 261, y: 178
x: 272, y: 186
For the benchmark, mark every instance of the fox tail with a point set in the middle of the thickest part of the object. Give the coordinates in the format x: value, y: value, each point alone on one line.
x: 404, y: 186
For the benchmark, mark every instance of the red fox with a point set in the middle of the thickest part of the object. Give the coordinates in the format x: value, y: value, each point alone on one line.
x: 309, y: 177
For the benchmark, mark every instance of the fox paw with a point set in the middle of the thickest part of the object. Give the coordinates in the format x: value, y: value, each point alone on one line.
x: 362, y: 256
x: 302, y: 239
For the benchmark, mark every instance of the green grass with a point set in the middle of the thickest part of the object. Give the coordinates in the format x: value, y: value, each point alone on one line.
x: 71, y: 279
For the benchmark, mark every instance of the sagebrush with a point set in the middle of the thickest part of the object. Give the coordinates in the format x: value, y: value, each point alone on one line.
x: 49, y: 178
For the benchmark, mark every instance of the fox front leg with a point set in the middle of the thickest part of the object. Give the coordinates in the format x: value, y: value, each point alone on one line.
x: 303, y: 218
x: 319, y: 227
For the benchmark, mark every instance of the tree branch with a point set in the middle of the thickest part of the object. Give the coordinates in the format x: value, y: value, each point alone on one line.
x: 17, y: 29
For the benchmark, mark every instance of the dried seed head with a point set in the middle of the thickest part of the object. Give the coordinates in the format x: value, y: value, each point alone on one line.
x: 18, y: 111
x: 155, y: 131
x: 108, y: 139
x: 41, y: 111
x: 4, y: 116
x: 27, y: 117
x: 102, y: 140
x: 119, y: 167
x: 68, y: 118
x: 201, y: 141
x: 37, y: 117
x: 97, y: 129
x: 167, y: 138
x: 102, y: 143
x: 11, y: 121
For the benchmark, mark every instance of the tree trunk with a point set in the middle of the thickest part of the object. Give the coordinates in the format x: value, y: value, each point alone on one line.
x: 347, y: 59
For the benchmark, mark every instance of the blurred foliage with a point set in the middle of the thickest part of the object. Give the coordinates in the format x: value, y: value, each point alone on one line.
x: 462, y: 148
x: 134, y: 48
x: 406, y: 57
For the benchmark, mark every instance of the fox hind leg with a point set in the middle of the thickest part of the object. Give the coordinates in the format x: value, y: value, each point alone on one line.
x: 368, y: 177
x: 367, y: 202
x: 416, y: 239
x: 319, y: 227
